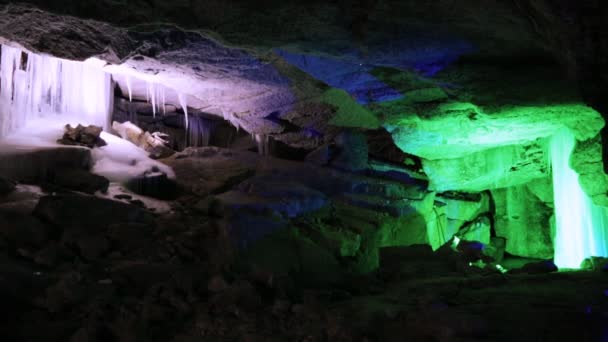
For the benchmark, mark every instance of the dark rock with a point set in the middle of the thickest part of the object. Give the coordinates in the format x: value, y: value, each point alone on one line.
x: 321, y: 156
x: 382, y: 147
x: 142, y: 275
x: 160, y: 152
x: 153, y: 184
x: 301, y: 259
x: 207, y: 171
x: 82, y: 136
x: 24, y: 231
x: 352, y: 152
x: 33, y: 166
x: 123, y: 197
x: 217, y: 283
x: 93, y: 247
x: 78, y: 180
x: 87, y: 213
x: 540, y: 267
x: 6, y: 186
x: 496, y: 249
x: 138, y: 203
x: 262, y: 194
x: 130, y: 236
x: 66, y: 293
x: 49, y: 256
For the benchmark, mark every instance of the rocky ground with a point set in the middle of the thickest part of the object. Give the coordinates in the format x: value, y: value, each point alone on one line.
x: 252, y: 248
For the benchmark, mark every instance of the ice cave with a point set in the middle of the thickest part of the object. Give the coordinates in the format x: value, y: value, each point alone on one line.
x: 368, y: 170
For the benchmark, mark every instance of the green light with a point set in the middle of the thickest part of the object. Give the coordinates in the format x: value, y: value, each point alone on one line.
x: 501, y: 269
x: 581, y: 226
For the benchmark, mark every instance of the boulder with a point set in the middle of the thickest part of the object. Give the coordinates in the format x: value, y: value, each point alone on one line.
x: 154, y: 184
x: 208, y: 170
x: 34, y: 165
x: 154, y: 143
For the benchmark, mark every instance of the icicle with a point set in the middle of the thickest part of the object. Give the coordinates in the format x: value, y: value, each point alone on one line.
x: 164, y: 100
x: 152, y: 96
x: 581, y: 226
x: 129, y: 87
x: 262, y: 141
x: 183, y: 102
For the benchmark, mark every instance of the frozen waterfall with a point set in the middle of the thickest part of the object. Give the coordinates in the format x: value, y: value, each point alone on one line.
x: 581, y: 226
x: 34, y: 86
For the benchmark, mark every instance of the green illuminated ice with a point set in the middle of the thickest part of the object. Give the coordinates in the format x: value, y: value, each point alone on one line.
x: 581, y: 226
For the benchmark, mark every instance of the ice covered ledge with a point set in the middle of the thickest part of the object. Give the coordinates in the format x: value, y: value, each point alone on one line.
x: 463, y: 148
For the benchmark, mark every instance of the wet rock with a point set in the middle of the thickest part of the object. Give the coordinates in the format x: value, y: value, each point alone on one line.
x: 88, y: 136
x: 87, y: 213
x: 6, y: 186
x: 153, y: 184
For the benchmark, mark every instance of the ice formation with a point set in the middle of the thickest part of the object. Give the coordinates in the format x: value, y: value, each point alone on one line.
x: 39, y: 94
x: 581, y: 227
x: 33, y: 86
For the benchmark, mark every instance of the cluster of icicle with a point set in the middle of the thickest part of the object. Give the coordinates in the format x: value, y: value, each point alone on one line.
x: 156, y: 96
x: 34, y: 85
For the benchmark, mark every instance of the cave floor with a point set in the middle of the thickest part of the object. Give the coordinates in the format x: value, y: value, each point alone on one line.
x: 76, y: 267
